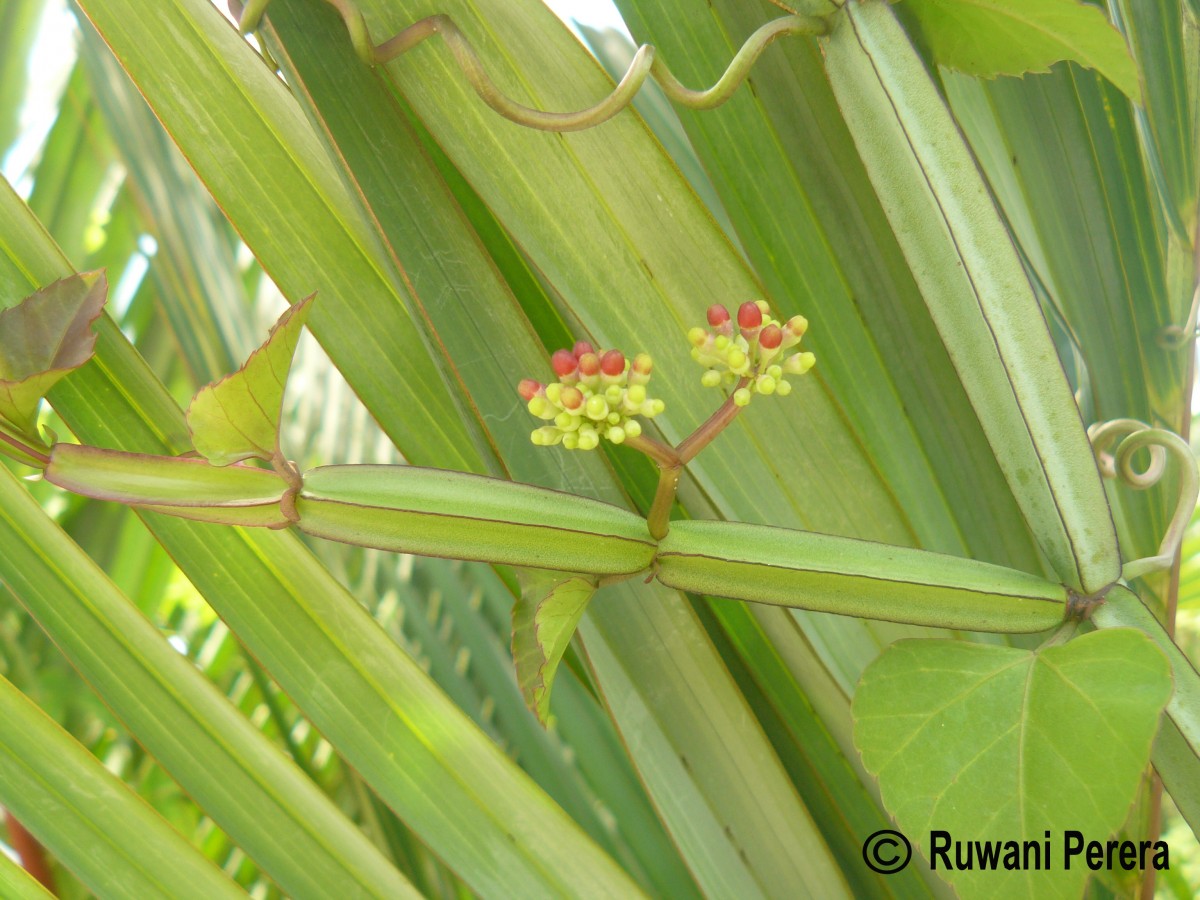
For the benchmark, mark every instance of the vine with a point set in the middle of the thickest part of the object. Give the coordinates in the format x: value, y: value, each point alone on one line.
x: 645, y: 64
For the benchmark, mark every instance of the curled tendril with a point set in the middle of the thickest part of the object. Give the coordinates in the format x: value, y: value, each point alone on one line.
x: 1118, y: 463
x: 645, y: 64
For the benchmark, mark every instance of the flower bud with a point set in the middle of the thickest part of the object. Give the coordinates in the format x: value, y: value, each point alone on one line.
x: 612, y: 363
x: 771, y: 337
x: 741, y: 397
x: 582, y: 347
x: 799, y: 363
x: 616, y: 434
x: 636, y: 394
x: 528, y: 389
x: 711, y: 378
x: 546, y: 436
x: 564, y: 363
x: 571, y: 399
x: 797, y: 325
x: 697, y: 336
x: 567, y: 422
x: 541, y: 407
x: 749, y: 315
x: 717, y: 315
x: 596, y: 408
x: 783, y: 388
x: 765, y: 384
x: 588, y: 440
x: 554, y: 392
x: 639, y: 371
x: 633, y: 428
x: 589, y: 364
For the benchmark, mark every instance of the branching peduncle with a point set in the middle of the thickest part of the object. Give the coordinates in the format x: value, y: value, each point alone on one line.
x: 645, y: 64
x: 691, y: 446
x: 671, y: 460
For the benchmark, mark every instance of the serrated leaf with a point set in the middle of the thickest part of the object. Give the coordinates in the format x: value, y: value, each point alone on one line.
x: 544, y: 619
x: 44, y: 337
x: 1012, y: 37
x: 237, y: 417
x: 995, y: 743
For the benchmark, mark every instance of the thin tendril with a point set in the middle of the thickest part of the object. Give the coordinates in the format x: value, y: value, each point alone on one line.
x: 645, y: 64
x: 1119, y: 464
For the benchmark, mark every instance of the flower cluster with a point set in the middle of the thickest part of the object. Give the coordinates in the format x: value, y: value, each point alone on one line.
x: 754, y: 349
x: 597, y: 394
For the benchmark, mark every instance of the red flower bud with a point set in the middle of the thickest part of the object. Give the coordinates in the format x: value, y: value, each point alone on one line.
x: 564, y: 363
x: 717, y: 315
x: 589, y: 363
x: 771, y: 337
x: 642, y: 363
x: 749, y: 315
x: 582, y: 347
x: 613, y: 363
x: 528, y: 389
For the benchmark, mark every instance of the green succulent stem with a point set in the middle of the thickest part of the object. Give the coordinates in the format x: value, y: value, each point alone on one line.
x: 22, y: 451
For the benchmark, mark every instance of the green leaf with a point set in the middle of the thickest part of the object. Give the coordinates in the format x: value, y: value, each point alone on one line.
x: 238, y: 417
x: 18, y: 30
x: 18, y: 884
x: 997, y: 743
x: 84, y: 815
x: 544, y: 620
x: 1177, y: 750
x: 43, y: 338
x: 1011, y: 37
x: 484, y: 818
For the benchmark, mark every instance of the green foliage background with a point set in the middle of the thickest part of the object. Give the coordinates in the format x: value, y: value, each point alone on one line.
x: 700, y: 746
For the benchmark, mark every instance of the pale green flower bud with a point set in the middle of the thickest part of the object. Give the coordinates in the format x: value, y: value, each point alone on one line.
x: 596, y: 408
x: 542, y: 408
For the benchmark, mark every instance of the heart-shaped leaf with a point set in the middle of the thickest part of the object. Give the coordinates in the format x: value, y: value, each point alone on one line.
x: 45, y: 336
x: 993, y: 743
x: 238, y: 417
x: 1011, y: 37
x: 544, y: 619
